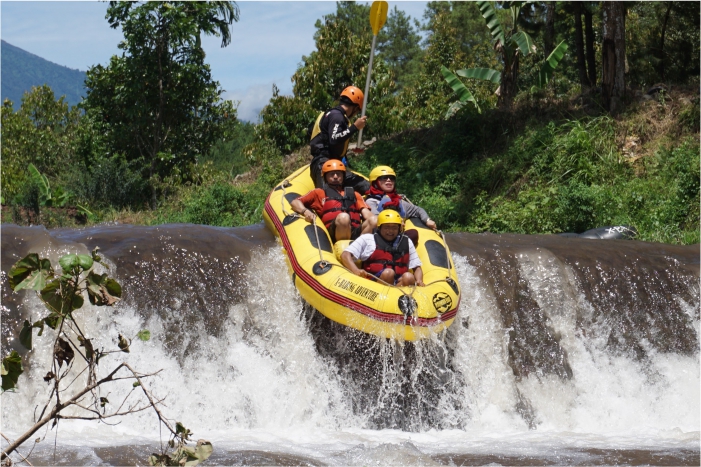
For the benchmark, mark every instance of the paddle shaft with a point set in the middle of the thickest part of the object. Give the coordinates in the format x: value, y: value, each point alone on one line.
x: 367, y: 88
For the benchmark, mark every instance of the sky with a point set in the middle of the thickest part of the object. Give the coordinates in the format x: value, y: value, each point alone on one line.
x: 267, y: 44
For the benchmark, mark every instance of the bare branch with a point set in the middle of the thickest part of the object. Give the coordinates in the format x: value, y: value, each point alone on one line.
x: 100, y: 416
x: 54, y: 413
x: 24, y: 459
x: 76, y: 377
x: 57, y: 408
x: 125, y: 399
x: 153, y: 404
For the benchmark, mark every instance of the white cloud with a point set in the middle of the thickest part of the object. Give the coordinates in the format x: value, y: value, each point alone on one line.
x: 252, y: 100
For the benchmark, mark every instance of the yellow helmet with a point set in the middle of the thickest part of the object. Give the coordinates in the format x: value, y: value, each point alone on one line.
x: 381, y: 170
x: 389, y: 216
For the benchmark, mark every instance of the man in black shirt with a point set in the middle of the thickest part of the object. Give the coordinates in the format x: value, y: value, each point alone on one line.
x: 331, y: 135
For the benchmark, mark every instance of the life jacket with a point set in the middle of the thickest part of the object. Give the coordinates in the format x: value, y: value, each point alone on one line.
x: 389, y: 203
x: 336, y: 203
x: 319, y: 136
x: 386, y: 256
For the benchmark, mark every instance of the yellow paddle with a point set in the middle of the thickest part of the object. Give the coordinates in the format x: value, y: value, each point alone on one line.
x: 378, y: 16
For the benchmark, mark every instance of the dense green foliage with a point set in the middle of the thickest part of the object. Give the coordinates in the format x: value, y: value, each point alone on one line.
x: 674, y: 57
x: 555, y: 162
x: 343, y: 41
x: 549, y: 174
x: 157, y: 104
x: 22, y: 70
x: 399, y: 45
x: 41, y: 132
x: 227, y: 154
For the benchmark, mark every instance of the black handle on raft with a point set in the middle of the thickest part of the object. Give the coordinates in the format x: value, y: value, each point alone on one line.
x: 321, y: 267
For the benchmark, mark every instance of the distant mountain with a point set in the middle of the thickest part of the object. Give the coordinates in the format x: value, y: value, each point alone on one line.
x: 21, y: 70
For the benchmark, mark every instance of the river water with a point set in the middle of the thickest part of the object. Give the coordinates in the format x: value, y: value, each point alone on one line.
x: 565, y: 351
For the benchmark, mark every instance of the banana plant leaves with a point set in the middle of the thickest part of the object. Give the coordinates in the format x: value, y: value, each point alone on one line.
x: 493, y: 23
x: 553, y: 60
x: 524, y: 41
x: 486, y: 74
x: 464, y: 94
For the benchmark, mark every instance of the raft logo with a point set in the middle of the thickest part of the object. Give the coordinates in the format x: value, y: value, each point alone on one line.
x: 359, y: 290
x: 442, y: 302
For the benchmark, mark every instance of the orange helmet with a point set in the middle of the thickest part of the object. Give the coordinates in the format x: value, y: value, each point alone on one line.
x: 331, y: 165
x: 354, y: 95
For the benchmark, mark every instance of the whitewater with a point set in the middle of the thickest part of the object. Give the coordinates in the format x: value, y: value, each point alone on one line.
x: 564, y: 351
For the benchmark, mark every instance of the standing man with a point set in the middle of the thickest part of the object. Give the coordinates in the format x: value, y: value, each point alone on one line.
x: 331, y: 134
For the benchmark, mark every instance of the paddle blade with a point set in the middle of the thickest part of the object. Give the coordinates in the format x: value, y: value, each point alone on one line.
x: 378, y: 16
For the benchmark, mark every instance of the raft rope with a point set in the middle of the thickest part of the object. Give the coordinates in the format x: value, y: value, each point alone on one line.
x: 286, y: 183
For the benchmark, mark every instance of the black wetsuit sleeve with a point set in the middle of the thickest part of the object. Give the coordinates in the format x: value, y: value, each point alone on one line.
x: 339, y: 131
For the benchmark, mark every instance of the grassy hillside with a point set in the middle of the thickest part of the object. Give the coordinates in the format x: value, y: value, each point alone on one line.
x: 21, y: 70
x: 558, y: 167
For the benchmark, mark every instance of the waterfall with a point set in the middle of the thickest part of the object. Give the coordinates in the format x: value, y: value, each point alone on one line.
x: 552, y: 349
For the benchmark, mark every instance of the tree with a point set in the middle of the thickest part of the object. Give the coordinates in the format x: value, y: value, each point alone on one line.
x: 589, y: 41
x: 157, y: 103
x: 510, y: 45
x: 41, y: 133
x: 284, y: 121
x: 340, y: 59
x: 579, y: 45
x: 398, y: 44
x: 584, y: 41
x: 662, y: 43
x: 613, y: 56
x: 549, y: 39
x: 662, y: 35
x: 354, y: 15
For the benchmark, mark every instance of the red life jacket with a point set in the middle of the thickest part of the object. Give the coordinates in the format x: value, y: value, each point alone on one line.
x: 336, y: 203
x: 386, y: 256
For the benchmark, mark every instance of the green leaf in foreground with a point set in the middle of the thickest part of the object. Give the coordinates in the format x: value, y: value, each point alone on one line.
x: 85, y: 261
x: 144, y: 334
x: 68, y: 262
x: 199, y: 453
x: 11, y: 369
x: 103, y: 290
x: 52, y: 298
x: 30, y: 272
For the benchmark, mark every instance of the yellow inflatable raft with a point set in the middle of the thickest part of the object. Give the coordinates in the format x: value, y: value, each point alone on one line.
x: 408, y: 313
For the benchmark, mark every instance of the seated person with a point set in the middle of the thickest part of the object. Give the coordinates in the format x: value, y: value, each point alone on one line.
x: 341, y: 210
x: 383, y: 195
x: 385, y: 254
